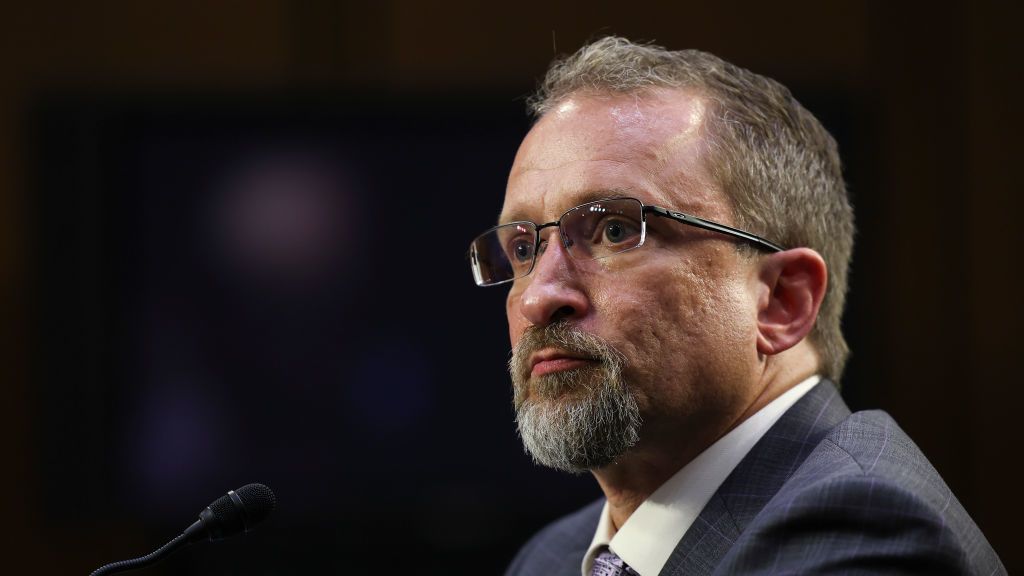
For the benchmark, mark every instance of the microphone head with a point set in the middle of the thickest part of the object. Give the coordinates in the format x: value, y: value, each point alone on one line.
x: 237, y: 511
x: 258, y: 501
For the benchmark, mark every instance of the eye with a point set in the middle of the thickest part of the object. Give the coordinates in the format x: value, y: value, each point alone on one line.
x: 521, y: 250
x: 616, y: 231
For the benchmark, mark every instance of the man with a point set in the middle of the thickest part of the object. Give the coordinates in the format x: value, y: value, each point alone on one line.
x: 676, y: 237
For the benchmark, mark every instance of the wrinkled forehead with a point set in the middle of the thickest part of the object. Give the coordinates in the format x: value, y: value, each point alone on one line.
x: 646, y: 145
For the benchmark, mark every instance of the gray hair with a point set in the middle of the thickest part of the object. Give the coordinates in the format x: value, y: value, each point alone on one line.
x: 775, y: 162
x: 573, y: 420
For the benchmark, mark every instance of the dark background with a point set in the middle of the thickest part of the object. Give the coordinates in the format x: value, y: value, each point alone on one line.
x: 232, y: 238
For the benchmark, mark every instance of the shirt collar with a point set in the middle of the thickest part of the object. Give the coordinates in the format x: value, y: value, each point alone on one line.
x: 651, y: 533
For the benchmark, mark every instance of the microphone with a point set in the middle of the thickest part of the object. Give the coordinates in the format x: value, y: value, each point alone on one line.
x: 236, y: 512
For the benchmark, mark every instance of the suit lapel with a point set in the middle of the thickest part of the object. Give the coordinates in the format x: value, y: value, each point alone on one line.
x: 707, y: 540
x: 756, y: 480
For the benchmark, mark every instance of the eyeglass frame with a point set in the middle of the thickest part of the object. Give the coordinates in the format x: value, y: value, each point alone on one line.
x: 682, y: 217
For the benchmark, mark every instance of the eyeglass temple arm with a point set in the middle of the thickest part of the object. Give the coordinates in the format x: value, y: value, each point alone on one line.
x: 715, y: 227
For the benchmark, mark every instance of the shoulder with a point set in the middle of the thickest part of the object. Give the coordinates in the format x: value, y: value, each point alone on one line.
x: 865, y: 499
x: 558, y: 548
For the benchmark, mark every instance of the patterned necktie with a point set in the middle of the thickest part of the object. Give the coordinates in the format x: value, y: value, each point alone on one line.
x: 608, y: 563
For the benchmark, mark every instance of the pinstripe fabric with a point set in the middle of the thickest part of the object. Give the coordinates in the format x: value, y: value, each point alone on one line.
x: 823, y: 491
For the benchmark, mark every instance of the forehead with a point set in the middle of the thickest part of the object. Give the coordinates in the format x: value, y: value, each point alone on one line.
x: 648, y: 145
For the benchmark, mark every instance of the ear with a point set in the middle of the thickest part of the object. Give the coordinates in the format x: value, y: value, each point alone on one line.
x: 792, y: 287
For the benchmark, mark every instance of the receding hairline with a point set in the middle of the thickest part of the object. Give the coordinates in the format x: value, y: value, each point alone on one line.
x: 701, y: 93
x: 691, y: 102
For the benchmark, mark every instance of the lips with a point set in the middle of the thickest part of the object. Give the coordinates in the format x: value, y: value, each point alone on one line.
x: 548, y: 361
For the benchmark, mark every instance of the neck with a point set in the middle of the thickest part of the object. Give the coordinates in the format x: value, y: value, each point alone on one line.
x: 628, y: 482
x: 635, y: 476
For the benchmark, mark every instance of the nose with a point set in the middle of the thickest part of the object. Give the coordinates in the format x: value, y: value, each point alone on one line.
x: 554, y: 290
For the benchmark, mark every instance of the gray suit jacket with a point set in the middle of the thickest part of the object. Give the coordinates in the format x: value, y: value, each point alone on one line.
x: 824, y: 491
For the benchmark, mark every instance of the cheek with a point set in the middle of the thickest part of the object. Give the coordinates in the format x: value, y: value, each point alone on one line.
x: 649, y: 328
x: 647, y: 321
x: 680, y: 328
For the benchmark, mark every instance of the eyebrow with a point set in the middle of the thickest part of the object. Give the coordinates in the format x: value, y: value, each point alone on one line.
x: 574, y: 199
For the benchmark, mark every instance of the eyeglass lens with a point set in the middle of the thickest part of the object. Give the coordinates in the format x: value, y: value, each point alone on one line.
x: 590, y: 231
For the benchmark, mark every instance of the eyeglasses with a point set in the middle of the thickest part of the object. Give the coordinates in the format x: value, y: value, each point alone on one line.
x: 589, y: 231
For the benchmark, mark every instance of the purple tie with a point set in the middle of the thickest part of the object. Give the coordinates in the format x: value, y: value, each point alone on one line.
x: 608, y: 563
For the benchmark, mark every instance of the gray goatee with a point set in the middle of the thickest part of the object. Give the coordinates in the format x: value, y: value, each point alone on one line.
x: 573, y: 420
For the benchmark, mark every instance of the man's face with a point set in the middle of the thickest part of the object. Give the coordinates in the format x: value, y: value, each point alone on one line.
x: 678, y: 313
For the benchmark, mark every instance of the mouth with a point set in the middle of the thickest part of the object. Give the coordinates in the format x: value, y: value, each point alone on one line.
x: 549, y: 361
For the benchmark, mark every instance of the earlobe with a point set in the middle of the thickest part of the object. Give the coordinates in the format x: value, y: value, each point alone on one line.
x: 793, y: 285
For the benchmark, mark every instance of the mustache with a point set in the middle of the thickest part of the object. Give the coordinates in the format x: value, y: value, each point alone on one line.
x: 563, y: 336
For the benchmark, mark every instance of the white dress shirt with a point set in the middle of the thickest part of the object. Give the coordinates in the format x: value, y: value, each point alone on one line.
x: 652, y: 532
